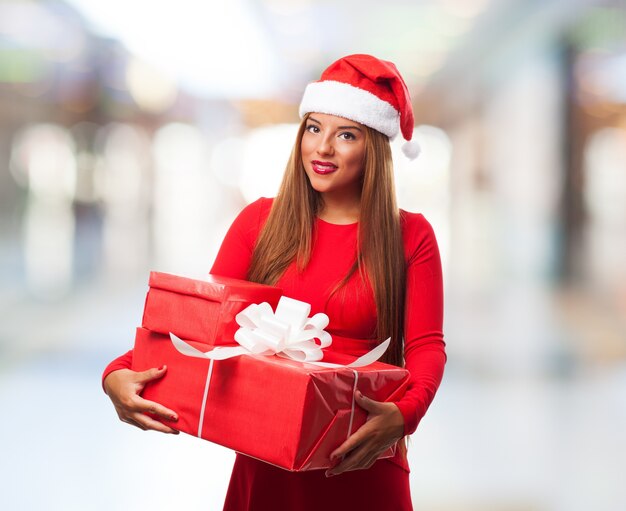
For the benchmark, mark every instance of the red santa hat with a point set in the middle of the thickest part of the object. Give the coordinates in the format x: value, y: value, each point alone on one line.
x: 366, y: 90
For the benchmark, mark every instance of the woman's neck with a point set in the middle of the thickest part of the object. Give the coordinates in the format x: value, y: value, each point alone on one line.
x: 340, y: 210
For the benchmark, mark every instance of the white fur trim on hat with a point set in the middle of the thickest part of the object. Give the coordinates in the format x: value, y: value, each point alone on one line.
x: 359, y: 105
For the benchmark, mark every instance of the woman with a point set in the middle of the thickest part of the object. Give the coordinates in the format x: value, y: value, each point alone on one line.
x: 334, y: 237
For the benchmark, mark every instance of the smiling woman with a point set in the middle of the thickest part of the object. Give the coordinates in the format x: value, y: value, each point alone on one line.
x: 335, y: 238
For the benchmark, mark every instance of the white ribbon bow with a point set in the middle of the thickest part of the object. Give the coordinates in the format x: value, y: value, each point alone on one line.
x: 288, y: 333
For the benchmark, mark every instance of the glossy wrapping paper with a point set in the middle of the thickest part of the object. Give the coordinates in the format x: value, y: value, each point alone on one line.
x: 201, y: 310
x: 287, y: 413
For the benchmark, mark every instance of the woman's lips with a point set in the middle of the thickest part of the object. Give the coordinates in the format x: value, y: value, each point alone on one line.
x: 323, y: 167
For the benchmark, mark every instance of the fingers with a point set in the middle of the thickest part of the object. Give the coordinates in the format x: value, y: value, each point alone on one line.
x: 146, y: 422
x: 359, y: 459
x: 368, y: 404
x: 151, y: 374
x: 134, y: 413
x: 145, y: 406
x: 363, y: 447
x: 368, y: 462
x: 373, y: 408
x: 354, y: 447
x: 351, y: 443
x: 132, y: 423
x: 123, y: 388
x: 141, y: 421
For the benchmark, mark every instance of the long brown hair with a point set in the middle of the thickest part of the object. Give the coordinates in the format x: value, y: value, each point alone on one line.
x: 288, y: 232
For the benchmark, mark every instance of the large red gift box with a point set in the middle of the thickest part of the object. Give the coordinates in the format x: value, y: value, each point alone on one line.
x: 287, y: 413
x: 201, y: 310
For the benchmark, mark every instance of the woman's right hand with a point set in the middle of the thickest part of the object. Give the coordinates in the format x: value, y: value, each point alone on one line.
x: 123, y: 388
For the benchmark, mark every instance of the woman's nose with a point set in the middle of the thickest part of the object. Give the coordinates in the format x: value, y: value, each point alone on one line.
x: 325, y: 146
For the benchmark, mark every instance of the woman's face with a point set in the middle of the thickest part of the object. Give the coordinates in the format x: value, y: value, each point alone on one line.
x: 333, y: 154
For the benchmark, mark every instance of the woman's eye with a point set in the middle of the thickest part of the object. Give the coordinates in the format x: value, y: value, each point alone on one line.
x: 312, y: 128
x: 347, y: 135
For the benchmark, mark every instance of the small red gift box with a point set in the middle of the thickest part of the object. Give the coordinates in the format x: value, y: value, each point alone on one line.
x: 201, y: 310
x: 287, y: 413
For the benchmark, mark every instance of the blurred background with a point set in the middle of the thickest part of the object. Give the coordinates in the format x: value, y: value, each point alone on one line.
x: 131, y: 134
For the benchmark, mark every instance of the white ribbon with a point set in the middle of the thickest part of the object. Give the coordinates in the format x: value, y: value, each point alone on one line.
x: 288, y: 333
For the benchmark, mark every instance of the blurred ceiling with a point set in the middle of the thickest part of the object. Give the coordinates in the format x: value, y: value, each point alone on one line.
x: 214, y: 48
x: 268, y: 49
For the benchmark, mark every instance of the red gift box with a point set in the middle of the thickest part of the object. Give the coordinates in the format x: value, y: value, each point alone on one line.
x: 201, y: 310
x: 287, y: 413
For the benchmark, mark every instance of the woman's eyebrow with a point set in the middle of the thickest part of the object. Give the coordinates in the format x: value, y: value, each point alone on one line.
x: 338, y: 127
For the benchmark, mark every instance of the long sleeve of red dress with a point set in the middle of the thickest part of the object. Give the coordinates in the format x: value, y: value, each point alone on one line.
x: 353, y: 313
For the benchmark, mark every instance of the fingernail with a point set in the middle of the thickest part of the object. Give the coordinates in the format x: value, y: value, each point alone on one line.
x: 173, y: 417
x: 161, y: 368
x: 329, y: 473
x: 358, y: 393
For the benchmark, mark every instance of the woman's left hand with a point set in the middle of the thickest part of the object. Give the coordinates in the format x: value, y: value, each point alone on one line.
x: 384, y: 427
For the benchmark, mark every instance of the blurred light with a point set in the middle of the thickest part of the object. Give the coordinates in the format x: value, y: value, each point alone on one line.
x: 610, y: 77
x: 34, y: 86
x: 115, y: 70
x: 84, y: 134
x: 186, y: 200
x: 600, y: 77
x: 429, y: 63
x: 455, y: 26
x: 585, y: 70
x: 22, y: 66
x: 257, y: 113
x: 422, y: 185
x: 34, y: 25
x: 464, y: 8
x: 265, y: 157
x: 605, y: 228
x: 602, y: 27
x: 48, y: 248
x: 152, y: 90
x: 42, y: 158
x: 226, y: 161
x: 595, y: 108
x: 122, y: 183
x: 124, y: 160
x: 213, y: 50
x: 77, y: 92
x: 179, y: 149
x: 294, y: 19
x: 286, y: 7
x: 605, y: 177
x: 86, y: 163
x: 423, y: 181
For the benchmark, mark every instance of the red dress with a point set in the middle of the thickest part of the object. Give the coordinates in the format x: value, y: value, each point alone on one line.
x: 259, y: 486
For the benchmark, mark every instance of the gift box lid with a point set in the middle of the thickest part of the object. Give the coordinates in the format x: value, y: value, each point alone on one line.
x: 214, y: 287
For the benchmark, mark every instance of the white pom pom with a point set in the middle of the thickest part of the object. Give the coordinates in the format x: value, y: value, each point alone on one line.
x: 411, y: 149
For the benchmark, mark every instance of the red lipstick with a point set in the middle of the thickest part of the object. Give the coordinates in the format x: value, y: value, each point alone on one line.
x: 323, y: 167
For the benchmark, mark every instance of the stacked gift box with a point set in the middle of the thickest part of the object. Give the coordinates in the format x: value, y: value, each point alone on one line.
x: 289, y: 413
